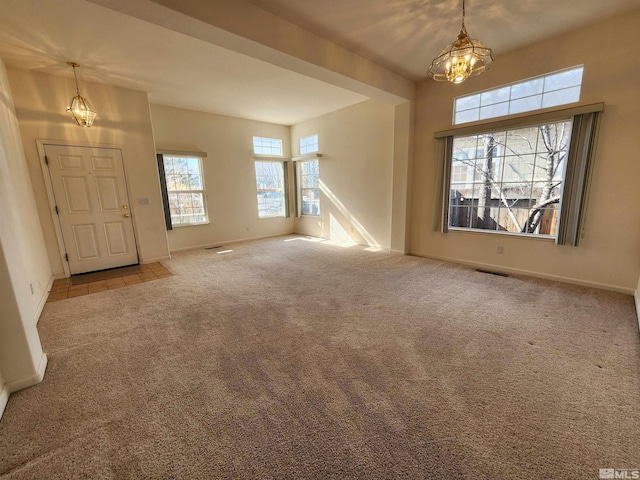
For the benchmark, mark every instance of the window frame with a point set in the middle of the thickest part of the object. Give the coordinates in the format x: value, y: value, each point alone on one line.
x: 300, y: 189
x: 502, y: 180
x: 314, y: 144
x: 577, y: 170
x: 257, y: 149
x: 509, y: 101
x: 166, y: 191
x: 283, y: 178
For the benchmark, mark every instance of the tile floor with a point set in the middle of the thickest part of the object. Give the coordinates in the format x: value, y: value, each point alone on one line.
x: 62, y: 289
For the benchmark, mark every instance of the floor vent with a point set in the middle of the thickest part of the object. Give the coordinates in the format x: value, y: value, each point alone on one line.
x: 498, y: 274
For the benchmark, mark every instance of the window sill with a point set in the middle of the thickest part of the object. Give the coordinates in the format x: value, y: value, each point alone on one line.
x: 495, y: 232
x: 181, y: 225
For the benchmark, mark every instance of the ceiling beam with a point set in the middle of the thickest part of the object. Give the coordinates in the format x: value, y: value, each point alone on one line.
x: 245, y: 28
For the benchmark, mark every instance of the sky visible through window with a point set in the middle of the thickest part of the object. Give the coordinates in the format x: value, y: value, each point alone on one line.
x: 309, y: 144
x: 267, y: 146
x: 551, y: 90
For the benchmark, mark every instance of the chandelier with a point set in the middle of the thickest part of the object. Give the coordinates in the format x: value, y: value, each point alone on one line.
x: 462, y: 59
x: 80, y: 108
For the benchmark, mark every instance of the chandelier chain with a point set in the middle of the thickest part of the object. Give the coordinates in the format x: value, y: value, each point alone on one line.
x: 75, y: 75
x: 79, y: 108
x: 463, y: 14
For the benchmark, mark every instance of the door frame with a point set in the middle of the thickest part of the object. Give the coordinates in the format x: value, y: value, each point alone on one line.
x: 41, y: 144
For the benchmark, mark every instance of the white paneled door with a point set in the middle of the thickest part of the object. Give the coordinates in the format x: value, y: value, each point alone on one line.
x: 93, y: 207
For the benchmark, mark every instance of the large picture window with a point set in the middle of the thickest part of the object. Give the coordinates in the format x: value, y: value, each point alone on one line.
x: 509, y: 180
x: 525, y: 176
x: 270, y: 189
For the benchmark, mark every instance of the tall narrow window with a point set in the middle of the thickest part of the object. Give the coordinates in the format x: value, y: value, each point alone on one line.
x: 309, y: 186
x: 185, y: 189
x: 270, y: 189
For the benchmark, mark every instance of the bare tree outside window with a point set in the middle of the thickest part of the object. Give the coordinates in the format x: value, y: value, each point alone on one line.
x: 185, y: 189
x: 270, y: 189
x: 309, y: 181
x: 511, y: 180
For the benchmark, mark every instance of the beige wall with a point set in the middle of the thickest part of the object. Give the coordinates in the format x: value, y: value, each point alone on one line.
x: 403, y: 139
x: 609, y: 254
x: 229, y: 173
x: 356, y: 173
x: 637, y: 298
x: 4, y: 395
x: 123, y: 120
x: 23, y: 259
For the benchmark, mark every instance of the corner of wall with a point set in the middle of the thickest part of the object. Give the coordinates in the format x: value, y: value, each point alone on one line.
x: 34, y: 379
x: 42, y: 301
x: 637, y: 298
x: 7, y: 389
x: 4, y: 396
x: 144, y: 260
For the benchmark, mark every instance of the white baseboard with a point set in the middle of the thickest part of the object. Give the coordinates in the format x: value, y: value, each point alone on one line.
x: 43, y: 301
x: 35, y: 379
x: 636, y: 295
x: 4, y: 398
x: 224, y: 242
x: 155, y: 259
x: 529, y: 273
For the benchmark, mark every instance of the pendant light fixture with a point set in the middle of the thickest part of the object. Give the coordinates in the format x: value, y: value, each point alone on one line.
x: 462, y: 59
x: 80, y: 108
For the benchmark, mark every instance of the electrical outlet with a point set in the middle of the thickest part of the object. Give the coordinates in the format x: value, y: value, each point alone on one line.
x: 499, y: 249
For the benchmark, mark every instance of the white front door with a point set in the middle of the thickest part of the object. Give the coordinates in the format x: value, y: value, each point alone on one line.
x: 93, y: 207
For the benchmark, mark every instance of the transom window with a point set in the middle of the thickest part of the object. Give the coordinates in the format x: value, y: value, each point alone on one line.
x: 309, y: 144
x: 558, y: 88
x: 270, y: 189
x: 267, y: 146
x: 185, y: 189
x: 309, y: 187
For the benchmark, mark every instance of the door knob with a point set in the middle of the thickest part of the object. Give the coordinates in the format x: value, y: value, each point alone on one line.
x: 126, y: 215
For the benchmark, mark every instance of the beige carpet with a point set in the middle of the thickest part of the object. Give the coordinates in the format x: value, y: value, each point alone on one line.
x: 292, y: 359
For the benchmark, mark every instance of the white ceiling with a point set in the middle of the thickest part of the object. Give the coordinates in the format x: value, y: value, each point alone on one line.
x: 175, y: 69
x: 179, y: 70
x: 405, y: 35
